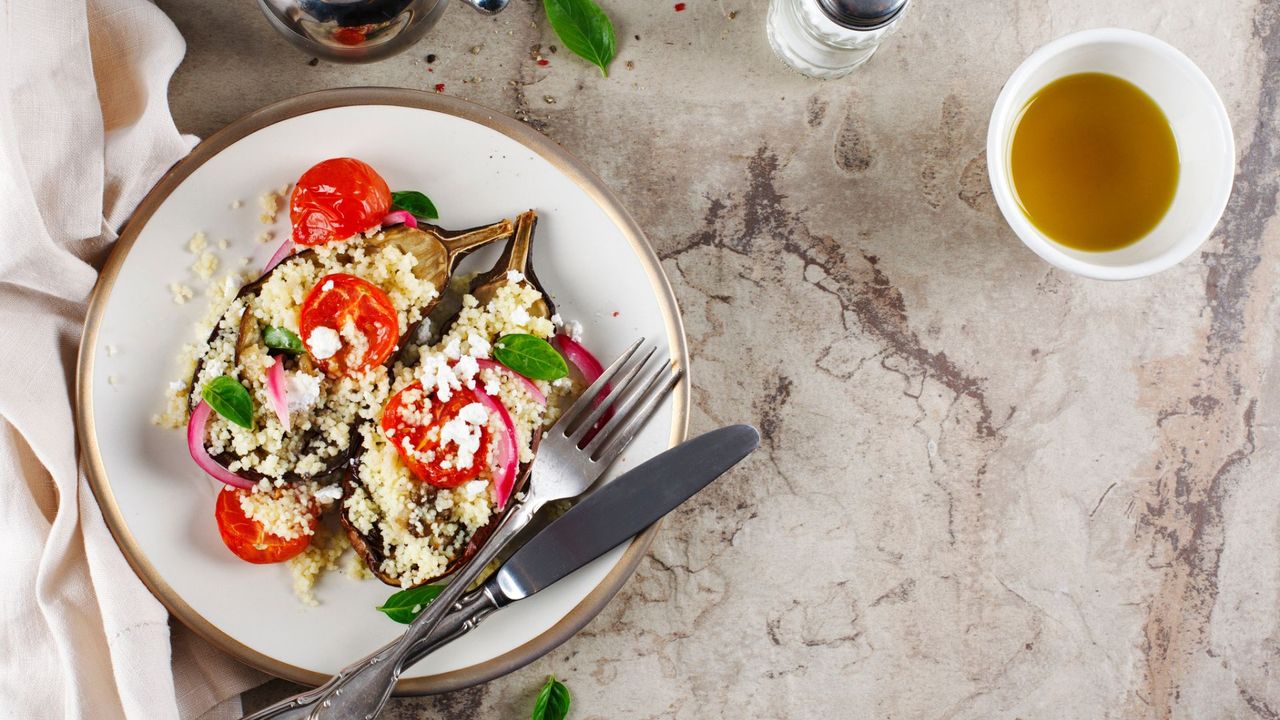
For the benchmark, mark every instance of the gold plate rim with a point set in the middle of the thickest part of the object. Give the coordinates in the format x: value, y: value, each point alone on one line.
x: 584, y: 611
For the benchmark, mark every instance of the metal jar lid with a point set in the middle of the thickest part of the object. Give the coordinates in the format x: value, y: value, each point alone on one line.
x: 862, y: 14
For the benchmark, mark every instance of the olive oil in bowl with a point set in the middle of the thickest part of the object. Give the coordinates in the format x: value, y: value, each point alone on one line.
x: 1094, y: 162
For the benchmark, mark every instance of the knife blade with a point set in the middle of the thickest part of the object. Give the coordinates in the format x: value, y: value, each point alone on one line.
x: 603, y: 520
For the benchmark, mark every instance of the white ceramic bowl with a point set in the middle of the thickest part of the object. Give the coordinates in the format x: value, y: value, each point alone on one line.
x: 1206, y: 148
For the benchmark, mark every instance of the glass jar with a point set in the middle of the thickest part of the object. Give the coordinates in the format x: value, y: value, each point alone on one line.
x: 830, y: 38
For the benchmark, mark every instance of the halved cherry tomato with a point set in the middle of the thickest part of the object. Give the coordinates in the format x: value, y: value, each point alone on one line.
x: 336, y: 199
x: 338, y: 299
x: 246, y: 537
x: 413, y: 417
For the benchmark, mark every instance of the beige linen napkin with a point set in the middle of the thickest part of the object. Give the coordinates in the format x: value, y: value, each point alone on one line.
x: 85, y: 131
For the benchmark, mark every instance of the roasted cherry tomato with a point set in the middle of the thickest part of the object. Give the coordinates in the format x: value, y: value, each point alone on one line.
x: 245, y: 536
x: 415, y: 418
x: 337, y: 199
x: 336, y: 300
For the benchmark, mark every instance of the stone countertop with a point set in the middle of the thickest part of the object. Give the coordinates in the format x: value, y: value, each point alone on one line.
x: 987, y: 488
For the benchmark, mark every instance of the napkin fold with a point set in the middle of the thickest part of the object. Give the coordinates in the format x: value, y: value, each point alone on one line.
x: 85, y: 131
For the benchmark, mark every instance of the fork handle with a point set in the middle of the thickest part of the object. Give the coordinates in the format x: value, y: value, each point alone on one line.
x: 469, y: 612
x: 360, y: 691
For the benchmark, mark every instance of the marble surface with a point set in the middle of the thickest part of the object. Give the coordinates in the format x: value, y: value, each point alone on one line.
x: 988, y: 489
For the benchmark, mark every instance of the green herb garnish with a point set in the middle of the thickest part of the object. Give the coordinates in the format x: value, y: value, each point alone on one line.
x: 583, y: 28
x: 405, y: 605
x: 229, y: 399
x: 278, y: 338
x: 530, y: 356
x: 553, y: 701
x: 416, y: 203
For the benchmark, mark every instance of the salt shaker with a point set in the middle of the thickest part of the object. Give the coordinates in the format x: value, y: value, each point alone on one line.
x: 830, y: 38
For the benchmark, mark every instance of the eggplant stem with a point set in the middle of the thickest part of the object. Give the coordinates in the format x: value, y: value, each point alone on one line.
x: 457, y: 246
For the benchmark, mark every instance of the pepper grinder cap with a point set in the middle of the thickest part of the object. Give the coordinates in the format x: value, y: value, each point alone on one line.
x: 862, y: 14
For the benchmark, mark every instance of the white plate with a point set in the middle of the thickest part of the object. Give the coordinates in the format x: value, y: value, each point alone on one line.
x: 478, y: 167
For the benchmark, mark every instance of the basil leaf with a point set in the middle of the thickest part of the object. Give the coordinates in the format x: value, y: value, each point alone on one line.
x: 229, y: 399
x: 530, y: 356
x: 553, y: 701
x: 416, y: 203
x: 278, y: 338
x: 405, y: 605
x: 583, y: 28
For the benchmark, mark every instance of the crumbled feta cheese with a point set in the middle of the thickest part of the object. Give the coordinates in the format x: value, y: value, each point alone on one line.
x: 514, y: 276
x: 463, y: 431
x: 438, y: 377
x: 478, y: 344
x: 574, y: 328
x: 328, y: 285
x: 466, y: 369
x: 519, y: 316
x: 324, y: 343
x: 177, y: 386
x: 214, y: 366
x: 328, y: 494
x: 557, y: 320
x: 473, y: 488
x: 302, y: 390
x: 453, y: 350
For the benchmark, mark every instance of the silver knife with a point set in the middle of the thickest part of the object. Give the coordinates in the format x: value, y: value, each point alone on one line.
x: 604, y: 519
x: 601, y: 521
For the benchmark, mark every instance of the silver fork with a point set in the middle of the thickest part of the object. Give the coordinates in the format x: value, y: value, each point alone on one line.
x: 560, y: 471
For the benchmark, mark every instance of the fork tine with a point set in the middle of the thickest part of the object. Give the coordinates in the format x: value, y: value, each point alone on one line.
x: 629, y: 419
x: 588, y: 396
x: 615, y: 395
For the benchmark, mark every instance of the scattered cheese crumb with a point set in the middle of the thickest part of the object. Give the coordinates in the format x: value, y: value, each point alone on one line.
x: 514, y: 276
x: 223, y: 244
x: 237, y: 204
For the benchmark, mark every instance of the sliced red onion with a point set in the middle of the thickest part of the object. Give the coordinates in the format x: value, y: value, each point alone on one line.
x: 195, y: 444
x: 282, y: 252
x: 580, y: 358
x: 524, y: 381
x: 277, y: 393
x: 400, y: 217
x: 508, y: 458
x: 591, y: 370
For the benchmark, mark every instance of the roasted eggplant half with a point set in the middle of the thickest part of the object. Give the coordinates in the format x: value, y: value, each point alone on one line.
x: 439, y: 465
x: 312, y: 341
